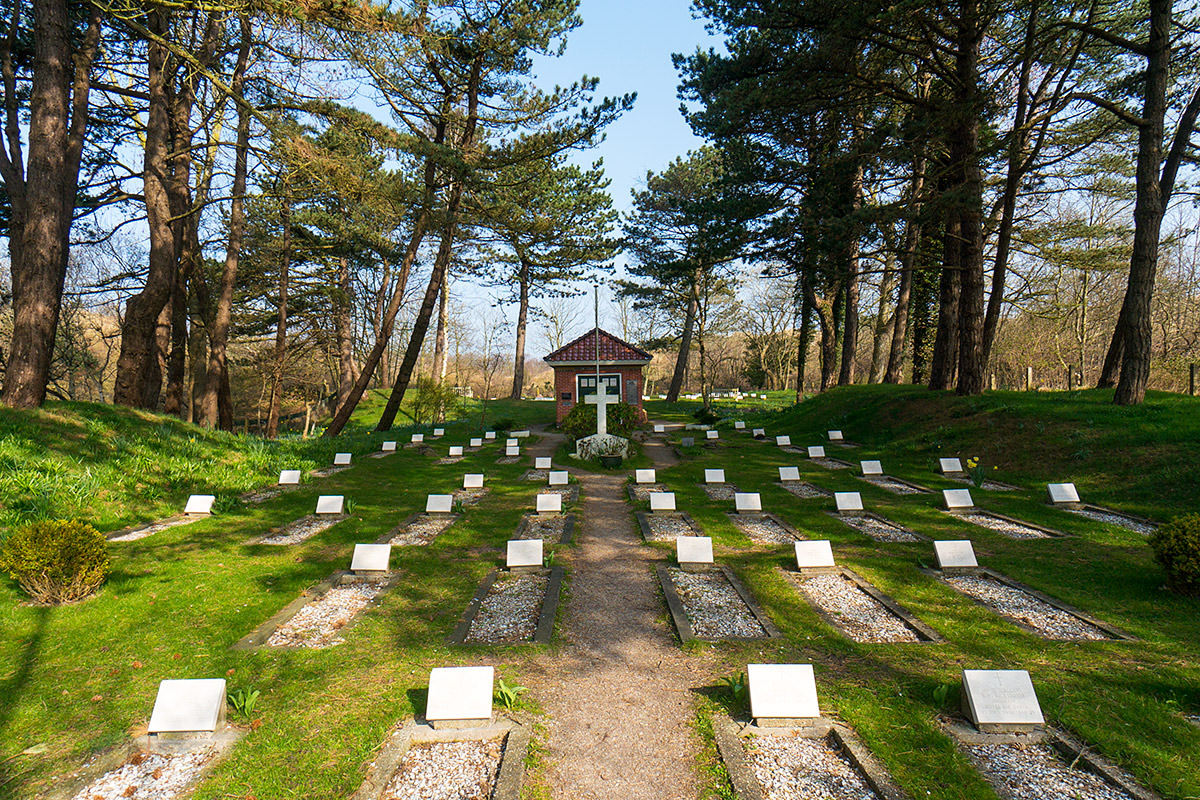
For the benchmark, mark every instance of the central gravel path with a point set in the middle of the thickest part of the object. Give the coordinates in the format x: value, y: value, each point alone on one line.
x: 618, y: 694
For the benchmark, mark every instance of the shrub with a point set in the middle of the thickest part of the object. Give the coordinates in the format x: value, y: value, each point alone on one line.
x: 1176, y: 548
x: 581, y: 421
x: 705, y: 416
x: 56, y: 561
x: 435, y: 401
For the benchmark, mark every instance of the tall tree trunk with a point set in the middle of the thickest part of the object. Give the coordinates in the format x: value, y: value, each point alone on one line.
x: 438, y: 373
x: 343, y: 307
x: 805, y: 338
x: 281, y: 321
x: 908, y: 261
x: 945, y: 346
x: 43, y: 196
x: 685, y: 339
x: 884, y: 321
x: 522, y: 320
x: 853, y: 248
x: 385, y: 285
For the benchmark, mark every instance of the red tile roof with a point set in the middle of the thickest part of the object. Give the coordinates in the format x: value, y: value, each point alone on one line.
x: 611, y: 349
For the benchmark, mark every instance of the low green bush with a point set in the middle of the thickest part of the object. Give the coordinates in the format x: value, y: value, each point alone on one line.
x: 581, y: 421
x: 56, y: 561
x: 705, y: 416
x: 1176, y: 548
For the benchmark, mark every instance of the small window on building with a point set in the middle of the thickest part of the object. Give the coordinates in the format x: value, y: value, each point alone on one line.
x: 587, y: 385
x: 566, y: 396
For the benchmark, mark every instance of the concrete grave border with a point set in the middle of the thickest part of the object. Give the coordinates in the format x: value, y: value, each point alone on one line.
x: 512, y: 761
x: 925, y: 634
x: 1105, y: 510
x: 546, y: 617
x: 643, y: 520
x: 976, y: 509
x: 258, y: 637
x: 683, y: 626
x: 1115, y: 633
x: 410, y: 519
x: 568, y: 533
x: 791, y: 530
x: 878, y: 518
x: 729, y: 735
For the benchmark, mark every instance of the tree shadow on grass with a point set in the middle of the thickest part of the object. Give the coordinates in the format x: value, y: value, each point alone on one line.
x: 12, y: 688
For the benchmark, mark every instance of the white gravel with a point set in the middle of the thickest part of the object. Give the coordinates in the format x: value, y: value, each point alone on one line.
x: 1113, y: 518
x: 549, y: 528
x: 151, y: 529
x: 1009, y: 601
x: 892, y: 485
x: 1012, y: 530
x: 509, y: 612
x: 149, y: 776
x: 302, y: 529
x: 327, y: 471
x: 666, y: 527
x: 508, y: 460
x: 449, y: 460
x: 713, y: 607
x: 719, y: 491
x: 762, y: 529
x: 804, y: 490
x: 447, y: 771
x: 829, y: 463
x: 879, y: 529
x: 423, y: 530
x: 469, y: 497
x: 263, y: 495
x: 641, y: 491
x: 539, y: 475
x: 1038, y: 772
x: 569, y: 494
x: 797, y: 768
x: 862, y: 617
x: 319, y: 623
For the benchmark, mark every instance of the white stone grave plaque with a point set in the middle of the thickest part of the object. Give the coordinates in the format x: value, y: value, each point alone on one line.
x: 662, y: 501
x: 836, y: 436
x: 1062, y: 493
x: 644, y: 476
x: 388, y: 447
x: 789, y: 474
x: 455, y: 450
x: 714, y: 476
x: 693, y: 549
x: 816, y: 451
x: 950, y: 466
x: 473, y: 480
x: 549, y: 503
x: 558, y: 477
x: 341, y: 459
x: 782, y: 692
x: 542, y: 462
x: 814, y: 555
x: 188, y: 706
x: 439, y: 431
x: 521, y: 434
x: 957, y: 499
x: 711, y: 435
x: 957, y: 554
x: 738, y: 425
x: 1001, y: 700
x: 289, y: 477
x: 848, y: 502
x: 687, y: 441
x: 439, y: 504
x: 758, y: 432
x: 747, y: 501
x: 460, y: 694
x: 199, y: 504
x: 512, y: 450
x: 476, y: 442
x: 871, y: 467
x: 512, y: 443
x: 783, y: 441
x: 489, y: 434
x: 418, y: 438
x: 523, y: 553
x: 330, y: 504
x: 660, y: 428
x: 371, y: 558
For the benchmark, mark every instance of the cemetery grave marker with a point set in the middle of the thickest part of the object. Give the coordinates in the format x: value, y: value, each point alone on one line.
x: 523, y: 553
x: 370, y: 559
x: 759, y: 433
x: 711, y: 435
x: 662, y: 501
x: 835, y: 436
x: 782, y: 694
x: 473, y: 480
x: 289, y: 477
x: 460, y: 696
x: 512, y: 450
x: 738, y: 425
x: 789, y: 474
x: 330, y: 504
x: 687, y: 441
x: 439, y: 504
x: 521, y: 434
x: 455, y: 451
x: 747, y: 502
x: 388, y: 447
x: 814, y: 557
x: 489, y: 434
x: 660, y: 428
x: 418, y: 438
x: 559, y: 477
x: 951, y: 467
x: 549, y: 504
x: 816, y: 451
x: 955, y: 555
x: 199, y: 505
x: 542, y: 462
x: 476, y: 442
x: 693, y: 551
x: 848, y: 502
x: 644, y: 476
x: 1062, y: 494
x: 1001, y: 701
x: 191, y: 706
x: 958, y: 499
x: 714, y: 476
x: 439, y: 432
x: 512, y: 443
x: 341, y: 459
x: 783, y: 441
x: 871, y: 468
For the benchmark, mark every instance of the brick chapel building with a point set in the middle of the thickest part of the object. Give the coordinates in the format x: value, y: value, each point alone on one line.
x: 621, y: 366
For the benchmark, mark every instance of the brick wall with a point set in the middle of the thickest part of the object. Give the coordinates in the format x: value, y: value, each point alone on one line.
x: 564, y: 382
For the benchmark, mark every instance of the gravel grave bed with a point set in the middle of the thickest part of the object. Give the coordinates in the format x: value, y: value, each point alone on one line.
x: 327, y: 471
x: 719, y: 491
x: 549, y: 528
x: 1113, y: 518
x: 893, y: 486
x: 805, y: 491
x: 713, y: 607
x: 508, y: 460
x: 793, y: 449
x: 569, y: 494
x: 1009, y: 601
x: 829, y: 463
x: 880, y: 530
x: 1193, y: 718
x: 666, y: 527
x: 763, y: 529
x: 540, y: 475
x: 447, y: 771
x: 641, y: 491
x: 422, y: 530
x: 510, y: 611
x: 319, y: 624
x: 149, y: 776
x: 151, y: 529
x: 1012, y: 530
x: 449, y: 460
x: 302, y: 529
x: 262, y: 496
x: 798, y: 768
x: 862, y: 617
x: 469, y: 497
x: 1038, y: 772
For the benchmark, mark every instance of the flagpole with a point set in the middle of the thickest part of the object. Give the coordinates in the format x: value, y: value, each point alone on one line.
x: 596, y: 306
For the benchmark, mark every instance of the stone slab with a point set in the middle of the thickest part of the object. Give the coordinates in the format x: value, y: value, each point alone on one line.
x: 711, y: 435
x: 460, y: 694
x: 439, y: 504
x: 188, y: 706
x: 955, y: 554
x: 747, y: 502
x: 814, y: 555
x: 523, y: 553
x: 957, y: 499
x: 549, y: 503
x: 950, y: 466
x: 289, y: 477
x: 489, y: 434
x: 848, y: 502
x: 512, y: 450
x: 1001, y: 700
x: 1062, y: 493
x: 341, y: 459
x: 439, y: 431
x: 644, y: 476
x: 789, y: 474
x: 473, y: 480
x: 371, y: 558
x: 558, y: 477
x: 521, y: 434
x: 687, y: 441
x: 758, y: 433
x: 816, y: 451
x: 330, y: 504
x: 783, y: 441
x: 418, y: 438
x: 693, y: 549
x: 714, y: 476
x: 455, y: 450
x: 660, y: 428
x: 475, y: 442
x: 835, y: 436
x: 782, y: 692
x: 199, y: 504
x: 388, y: 447
x: 871, y: 467
x: 738, y: 425
x: 543, y: 462
x: 662, y: 501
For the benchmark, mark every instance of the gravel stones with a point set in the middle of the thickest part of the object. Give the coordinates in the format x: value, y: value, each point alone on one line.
x: 302, y: 529
x: 719, y: 491
x: 1011, y: 602
x: 641, y: 491
x: 539, y: 475
x: 508, y: 460
x: 319, y: 623
x: 804, y: 490
x: 422, y: 530
x: 149, y: 776
x: 714, y: 608
x: 469, y: 497
x: 151, y: 529
x: 666, y: 527
x: 1013, y: 530
x: 763, y: 529
x: 830, y: 463
x: 860, y: 616
x: 447, y: 771
x: 263, y: 495
x: 791, y: 767
x: 1113, y: 518
x: 892, y: 485
x: 548, y: 528
x: 1036, y: 772
x: 879, y: 529
x: 569, y: 494
x: 449, y: 460
x: 510, y: 611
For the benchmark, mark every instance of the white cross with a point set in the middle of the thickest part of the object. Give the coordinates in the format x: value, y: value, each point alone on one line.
x: 602, y: 400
